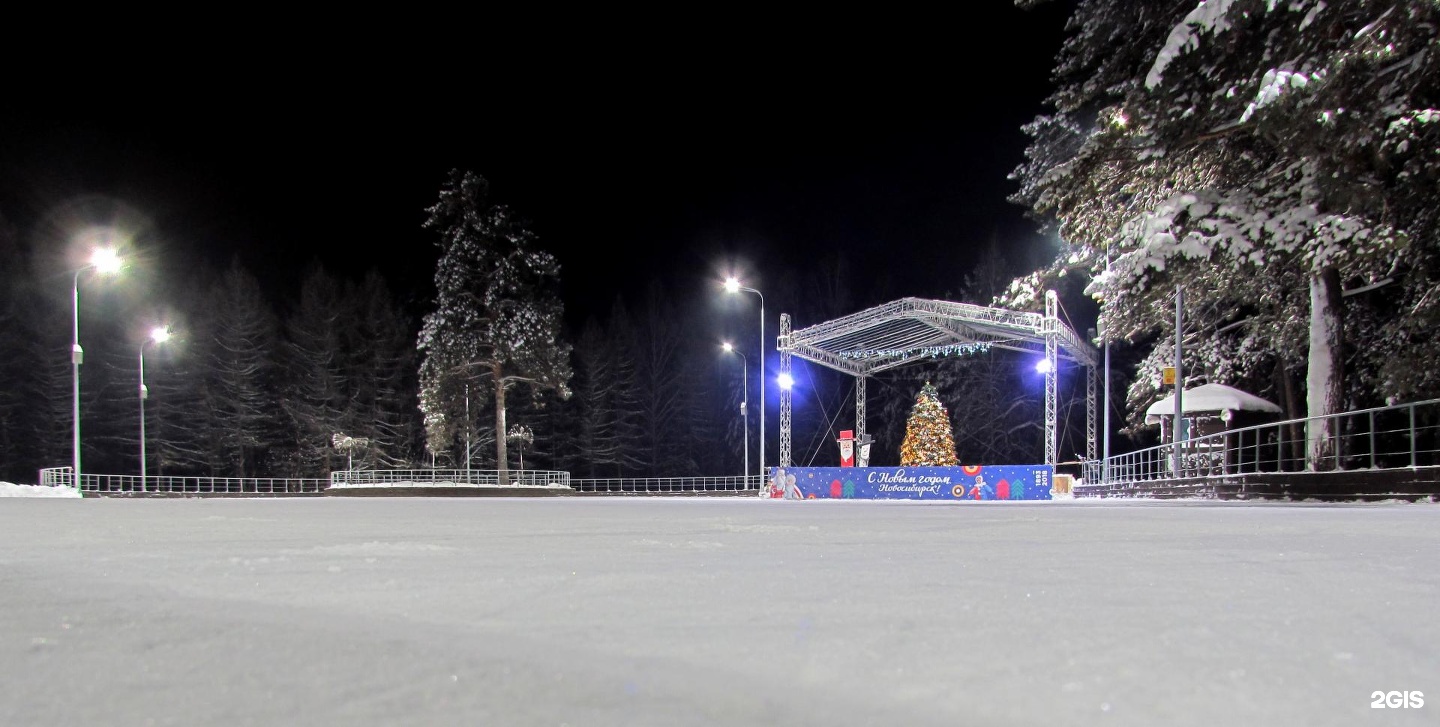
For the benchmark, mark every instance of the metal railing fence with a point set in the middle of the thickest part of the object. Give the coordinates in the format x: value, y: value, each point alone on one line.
x: 1388, y: 437
x: 448, y: 478
x: 65, y: 477
x: 678, y: 485
x: 101, y: 483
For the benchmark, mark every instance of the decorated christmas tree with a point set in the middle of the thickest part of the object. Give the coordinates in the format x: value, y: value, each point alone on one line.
x: 929, y: 442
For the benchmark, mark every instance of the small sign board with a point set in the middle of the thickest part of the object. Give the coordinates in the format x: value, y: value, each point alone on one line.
x: 1167, y: 376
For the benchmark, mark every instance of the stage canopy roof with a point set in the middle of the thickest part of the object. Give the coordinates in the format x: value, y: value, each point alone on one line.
x: 903, y: 331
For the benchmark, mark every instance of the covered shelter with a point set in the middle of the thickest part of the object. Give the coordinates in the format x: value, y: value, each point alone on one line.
x: 911, y: 330
x: 1211, y: 409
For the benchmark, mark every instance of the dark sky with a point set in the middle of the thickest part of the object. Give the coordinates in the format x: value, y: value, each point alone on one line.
x: 886, y: 141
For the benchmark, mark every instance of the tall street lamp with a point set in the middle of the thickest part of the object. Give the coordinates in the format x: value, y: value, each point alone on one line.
x: 103, y: 260
x: 744, y: 401
x: 159, y: 335
x: 732, y: 285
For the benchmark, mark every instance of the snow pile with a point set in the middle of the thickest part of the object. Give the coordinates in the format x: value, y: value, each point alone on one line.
x: 10, y: 489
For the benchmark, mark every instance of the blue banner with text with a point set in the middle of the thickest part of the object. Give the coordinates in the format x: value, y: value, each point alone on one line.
x: 998, y: 482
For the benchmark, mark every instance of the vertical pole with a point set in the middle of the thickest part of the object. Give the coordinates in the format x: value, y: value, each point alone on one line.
x: 76, y: 355
x: 143, y: 393
x: 1105, y: 437
x: 860, y: 414
x: 467, y: 434
x: 1051, y: 318
x: 745, y: 417
x: 1175, y: 433
x: 1372, y: 440
x: 784, y: 393
x: 1092, y: 438
x: 762, y: 389
x: 1412, y: 437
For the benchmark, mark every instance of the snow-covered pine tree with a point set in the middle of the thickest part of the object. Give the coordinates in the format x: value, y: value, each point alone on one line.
x: 35, y: 399
x: 382, y: 372
x: 497, y: 319
x: 598, y: 444
x: 316, y: 393
x: 11, y: 371
x: 658, y: 368
x: 929, y: 441
x: 180, y: 419
x: 241, y: 376
x: 701, y: 405
x: 626, y: 398
x: 1249, y: 150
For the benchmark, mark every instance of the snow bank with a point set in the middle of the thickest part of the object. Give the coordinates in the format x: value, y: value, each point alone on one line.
x: 9, y: 489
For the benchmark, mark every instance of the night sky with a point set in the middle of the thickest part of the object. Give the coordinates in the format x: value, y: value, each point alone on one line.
x: 886, y: 141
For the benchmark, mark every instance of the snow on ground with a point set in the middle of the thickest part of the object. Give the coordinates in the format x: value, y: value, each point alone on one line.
x: 714, y: 611
x: 10, y: 489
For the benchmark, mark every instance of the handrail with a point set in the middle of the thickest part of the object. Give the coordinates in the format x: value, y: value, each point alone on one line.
x: 449, y: 478
x: 640, y: 485
x: 1375, y: 438
x: 91, y: 482
x: 99, y: 483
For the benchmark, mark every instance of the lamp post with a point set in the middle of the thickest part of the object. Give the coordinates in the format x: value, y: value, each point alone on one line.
x: 104, y: 260
x: 744, y: 401
x: 158, y: 335
x: 732, y: 285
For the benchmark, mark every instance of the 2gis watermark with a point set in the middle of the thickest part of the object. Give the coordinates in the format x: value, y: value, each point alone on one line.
x: 1396, y: 700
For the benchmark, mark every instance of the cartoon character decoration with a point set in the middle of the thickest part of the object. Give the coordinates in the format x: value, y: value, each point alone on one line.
x: 847, y: 448
x: 782, y: 485
x: 981, y: 490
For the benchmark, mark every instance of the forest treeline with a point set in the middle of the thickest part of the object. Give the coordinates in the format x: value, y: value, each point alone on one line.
x: 258, y: 382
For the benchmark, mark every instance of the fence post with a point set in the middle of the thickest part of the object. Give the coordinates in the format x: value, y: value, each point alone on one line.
x: 1372, y: 440
x: 1339, y: 441
x: 1412, y: 435
x: 1280, y: 447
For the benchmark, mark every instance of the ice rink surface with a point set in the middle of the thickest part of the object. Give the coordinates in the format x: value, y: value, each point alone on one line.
x: 714, y: 611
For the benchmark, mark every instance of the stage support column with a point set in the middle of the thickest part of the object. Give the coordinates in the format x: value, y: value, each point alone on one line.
x: 1091, y: 438
x: 1052, y: 327
x: 784, y: 391
x: 860, y: 407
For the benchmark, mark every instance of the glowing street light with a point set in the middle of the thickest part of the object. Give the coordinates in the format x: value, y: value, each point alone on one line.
x: 103, y: 260
x: 158, y: 335
x: 744, y: 401
x: 732, y: 285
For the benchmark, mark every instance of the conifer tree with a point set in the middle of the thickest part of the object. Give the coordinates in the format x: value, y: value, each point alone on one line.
x: 382, y: 365
x: 240, y: 375
x: 316, y: 396
x: 497, y: 318
x: 1263, y: 155
x: 929, y: 441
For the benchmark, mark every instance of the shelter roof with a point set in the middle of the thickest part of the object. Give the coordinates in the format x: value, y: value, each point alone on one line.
x: 1210, y: 397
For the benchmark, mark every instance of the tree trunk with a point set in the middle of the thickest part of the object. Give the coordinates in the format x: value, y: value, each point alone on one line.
x: 500, y: 453
x: 1324, y: 386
